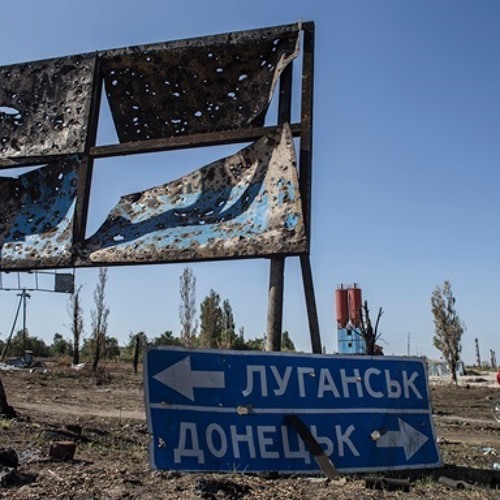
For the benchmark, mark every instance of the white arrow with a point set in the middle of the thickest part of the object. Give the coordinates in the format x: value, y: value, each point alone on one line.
x: 182, y: 379
x: 407, y: 437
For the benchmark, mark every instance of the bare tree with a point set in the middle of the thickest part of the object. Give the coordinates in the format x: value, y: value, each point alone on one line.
x: 140, y: 341
x: 76, y: 314
x: 187, y: 307
x: 369, y: 333
x: 137, y: 348
x: 448, y: 327
x: 99, y: 317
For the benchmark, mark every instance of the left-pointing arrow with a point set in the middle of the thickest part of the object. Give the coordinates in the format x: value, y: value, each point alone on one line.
x: 181, y: 378
x: 407, y: 437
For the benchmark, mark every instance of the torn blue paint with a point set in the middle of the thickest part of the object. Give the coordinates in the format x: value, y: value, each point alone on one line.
x: 37, y: 224
x: 245, y: 205
x: 286, y: 191
x: 291, y: 221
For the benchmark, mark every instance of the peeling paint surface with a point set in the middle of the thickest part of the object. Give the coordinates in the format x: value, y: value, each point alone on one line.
x: 44, y: 107
x: 194, y: 86
x: 245, y: 205
x: 36, y: 221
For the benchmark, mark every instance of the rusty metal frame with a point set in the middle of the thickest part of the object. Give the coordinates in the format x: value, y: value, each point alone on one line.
x: 231, y: 136
x: 302, y: 130
x: 277, y: 269
x: 305, y: 180
x: 85, y: 174
x: 277, y: 266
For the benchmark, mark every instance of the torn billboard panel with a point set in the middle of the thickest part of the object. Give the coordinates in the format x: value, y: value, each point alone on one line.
x: 36, y: 222
x: 193, y: 86
x: 245, y: 205
x: 44, y: 108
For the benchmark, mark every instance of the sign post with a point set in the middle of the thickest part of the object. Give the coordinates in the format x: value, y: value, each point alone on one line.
x: 213, y: 410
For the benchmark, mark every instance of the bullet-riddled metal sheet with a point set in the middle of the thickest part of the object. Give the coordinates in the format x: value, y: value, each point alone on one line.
x: 44, y: 107
x: 36, y: 222
x: 193, y: 86
x: 245, y: 205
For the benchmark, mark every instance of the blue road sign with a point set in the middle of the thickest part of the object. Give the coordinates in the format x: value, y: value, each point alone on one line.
x: 218, y: 410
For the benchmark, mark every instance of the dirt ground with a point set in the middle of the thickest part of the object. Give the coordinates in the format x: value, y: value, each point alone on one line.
x: 111, y: 459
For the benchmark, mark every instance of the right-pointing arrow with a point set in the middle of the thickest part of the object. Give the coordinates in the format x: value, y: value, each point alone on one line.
x: 407, y: 437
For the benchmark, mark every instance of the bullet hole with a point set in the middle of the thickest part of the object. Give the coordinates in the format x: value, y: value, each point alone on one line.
x: 8, y: 110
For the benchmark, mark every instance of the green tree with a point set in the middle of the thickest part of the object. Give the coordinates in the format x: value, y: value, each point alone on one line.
x: 111, y: 348
x: 187, y: 307
x: 99, y: 317
x: 256, y: 344
x: 448, y: 327
x: 60, y: 346
x: 239, y: 343
x: 167, y: 338
x: 287, y: 344
x: 87, y: 349
x: 228, y: 335
x: 210, y: 321
x: 129, y: 349
x: 18, y: 346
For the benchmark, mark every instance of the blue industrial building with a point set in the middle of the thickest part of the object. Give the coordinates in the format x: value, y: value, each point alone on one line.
x: 350, y: 341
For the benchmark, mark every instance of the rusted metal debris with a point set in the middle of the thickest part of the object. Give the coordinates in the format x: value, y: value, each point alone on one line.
x: 322, y: 459
x: 6, y: 474
x: 37, y: 216
x: 44, y: 108
x: 8, y: 464
x: 247, y: 204
x: 388, y: 484
x: 453, y: 483
x: 62, y: 450
x: 8, y: 457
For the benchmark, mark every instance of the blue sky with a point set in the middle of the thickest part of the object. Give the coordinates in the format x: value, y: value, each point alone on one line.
x: 405, y: 179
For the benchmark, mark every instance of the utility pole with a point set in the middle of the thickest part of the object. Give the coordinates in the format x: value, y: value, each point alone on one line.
x: 478, y: 356
x: 63, y: 283
x: 408, y: 335
x: 24, y: 295
x: 7, y: 344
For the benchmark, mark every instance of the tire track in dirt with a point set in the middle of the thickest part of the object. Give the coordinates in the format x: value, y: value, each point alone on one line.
x: 62, y: 409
